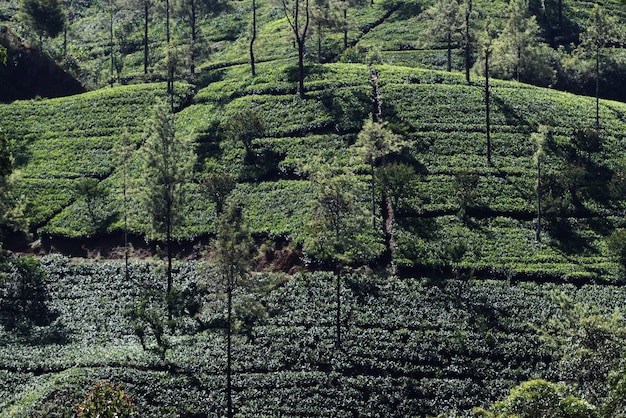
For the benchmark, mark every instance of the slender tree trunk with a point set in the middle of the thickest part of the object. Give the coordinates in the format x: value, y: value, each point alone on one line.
x: 146, y: 10
x: 126, y: 275
x: 167, y: 22
x: 373, y: 174
x: 468, y: 52
x: 301, y: 67
x: 319, y: 41
x: 538, y: 237
x: 560, y: 13
x: 388, y: 220
x: 111, y: 41
x: 338, y: 313
x: 345, y: 25
x: 517, y: 64
x: 449, y: 51
x: 252, y: 39
x: 229, y: 332
x: 170, y: 67
x: 487, y: 107
x: 169, y: 268
x: 597, y: 88
x: 192, y: 59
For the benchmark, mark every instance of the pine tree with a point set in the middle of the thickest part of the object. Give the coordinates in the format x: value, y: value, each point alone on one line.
x: 298, y: 14
x: 233, y: 252
x: 45, y: 17
x: 167, y: 159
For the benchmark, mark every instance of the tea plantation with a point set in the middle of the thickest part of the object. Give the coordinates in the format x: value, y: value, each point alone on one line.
x: 472, y: 274
x: 411, y: 346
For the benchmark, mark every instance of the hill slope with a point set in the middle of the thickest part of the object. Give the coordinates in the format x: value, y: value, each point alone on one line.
x: 438, y: 112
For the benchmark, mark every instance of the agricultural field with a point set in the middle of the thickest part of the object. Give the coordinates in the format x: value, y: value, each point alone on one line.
x: 425, y: 275
x: 411, y: 346
x: 437, y: 113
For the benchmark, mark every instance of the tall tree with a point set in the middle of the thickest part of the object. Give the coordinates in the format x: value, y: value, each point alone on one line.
x: 539, y: 139
x: 374, y: 143
x: 487, y: 49
x: 11, y: 209
x: 446, y: 25
x: 253, y: 35
x: 324, y: 16
x: 123, y: 151
x: 143, y: 9
x: 167, y: 160
x: 298, y: 15
x: 338, y: 233
x: 467, y: 37
x: 191, y: 11
x: 233, y: 251
x: 45, y: 17
x: 602, y: 29
x: 245, y: 126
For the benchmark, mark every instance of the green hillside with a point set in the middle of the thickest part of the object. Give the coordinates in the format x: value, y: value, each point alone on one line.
x: 440, y: 292
x: 60, y: 142
x: 412, y: 347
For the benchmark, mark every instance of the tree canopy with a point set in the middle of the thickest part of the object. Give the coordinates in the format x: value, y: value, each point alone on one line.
x: 45, y: 17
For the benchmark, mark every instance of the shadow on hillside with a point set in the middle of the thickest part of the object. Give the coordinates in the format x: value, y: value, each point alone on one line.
x: 511, y: 116
x: 24, y: 310
x: 567, y: 237
x: 405, y: 11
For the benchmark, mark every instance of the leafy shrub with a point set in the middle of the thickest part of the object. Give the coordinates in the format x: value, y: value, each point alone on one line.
x: 106, y: 401
x: 540, y: 398
x: 23, y: 294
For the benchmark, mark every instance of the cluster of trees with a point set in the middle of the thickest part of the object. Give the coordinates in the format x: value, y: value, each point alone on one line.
x: 589, y: 368
x: 521, y: 48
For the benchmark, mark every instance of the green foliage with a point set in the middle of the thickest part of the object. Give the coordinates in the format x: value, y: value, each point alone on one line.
x: 540, y: 398
x: 45, y: 17
x: 167, y: 159
x: 339, y: 231
x: 398, y: 182
x: 218, y: 186
x: 234, y: 245
x: 587, y: 344
x: 23, y: 294
x: 419, y: 346
x: 616, y: 244
x: 106, y: 401
x: 11, y: 207
x: 244, y: 127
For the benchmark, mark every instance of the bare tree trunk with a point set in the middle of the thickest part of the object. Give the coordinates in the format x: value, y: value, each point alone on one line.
x: 253, y: 38
x: 598, y: 88
x: 194, y: 29
x: 146, y: 9
x: 301, y: 68
x: 449, y: 51
x: 390, y: 239
x: 345, y: 25
x: 319, y: 41
x: 169, y: 269
x: 339, y: 267
x: 487, y: 107
x: 111, y: 41
x: 468, y: 52
x: 229, y: 356
x: 538, y: 236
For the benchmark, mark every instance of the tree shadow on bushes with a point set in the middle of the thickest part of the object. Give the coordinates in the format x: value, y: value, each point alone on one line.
x: 23, y: 303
